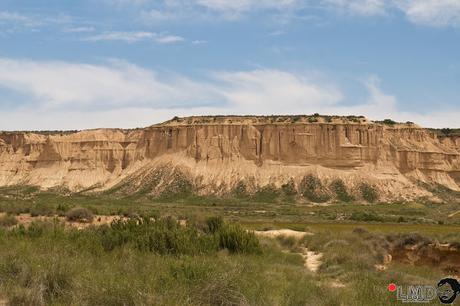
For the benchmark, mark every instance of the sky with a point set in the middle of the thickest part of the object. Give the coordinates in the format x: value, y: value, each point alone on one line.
x: 133, y: 63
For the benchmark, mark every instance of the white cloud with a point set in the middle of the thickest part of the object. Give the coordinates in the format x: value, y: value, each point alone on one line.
x: 431, y: 12
x: 8, y: 16
x: 359, y: 7
x: 132, y: 37
x: 211, y: 10
x: 82, y: 29
x: 274, y: 91
x: 245, y: 5
x: 15, y: 19
x: 199, y: 42
x: 58, y: 85
x: 428, y: 12
x: 62, y: 95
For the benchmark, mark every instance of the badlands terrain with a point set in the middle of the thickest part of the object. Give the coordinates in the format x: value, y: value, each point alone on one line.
x: 222, y: 154
x: 228, y: 210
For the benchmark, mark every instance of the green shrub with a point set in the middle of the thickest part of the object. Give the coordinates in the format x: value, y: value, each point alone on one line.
x: 79, y: 214
x: 368, y: 192
x: 287, y: 241
x: 389, y: 122
x: 56, y: 281
x: 365, y: 217
x: 341, y: 191
x: 312, y: 189
x: 41, y: 210
x: 62, y: 208
x: 237, y: 240
x: 163, y: 236
x: 289, y: 188
x: 179, y: 187
x: 8, y: 221
x: 214, y: 224
x: 266, y: 194
x: 240, y: 190
x: 34, y: 230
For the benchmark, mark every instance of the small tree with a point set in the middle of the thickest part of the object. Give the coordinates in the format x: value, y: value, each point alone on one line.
x: 369, y: 192
x: 80, y: 214
x: 341, y: 191
x: 289, y: 188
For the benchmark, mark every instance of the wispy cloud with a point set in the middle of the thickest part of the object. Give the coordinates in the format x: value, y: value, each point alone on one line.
x: 427, y: 12
x: 358, y: 7
x: 119, y: 94
x: 246, y: 5
x: 8, y: 16
x: 132, y: 37
x: 16, y: 19
x: 58, y: 85
x: 80, y: 29
x: 431, y: 12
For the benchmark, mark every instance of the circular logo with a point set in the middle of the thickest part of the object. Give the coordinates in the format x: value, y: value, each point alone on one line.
x: 448, y: 289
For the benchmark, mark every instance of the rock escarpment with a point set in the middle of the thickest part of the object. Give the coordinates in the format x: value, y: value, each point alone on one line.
x: 215, y: 154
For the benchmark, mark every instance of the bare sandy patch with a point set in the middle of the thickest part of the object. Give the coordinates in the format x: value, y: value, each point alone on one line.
x: 312, y: 260
x: 282, y: 232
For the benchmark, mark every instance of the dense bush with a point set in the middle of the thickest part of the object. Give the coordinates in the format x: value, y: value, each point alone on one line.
x: 365, y: 217
x: 214, y: 224
x: 79, y: 214
x: 164, y: 236
x: 312, y: 189
x: 8, y: 220
x: 341, y: 191
x: 41, y: 210
x: 267, y: 193
x: 289, y: 188
x: 237, y: 240
x: 167, y: 236
x: 389, y: 122
x: 368, y: 192
x: 240, y: 189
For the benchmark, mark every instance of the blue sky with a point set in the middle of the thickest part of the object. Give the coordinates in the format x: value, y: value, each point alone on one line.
x: 130, y: 63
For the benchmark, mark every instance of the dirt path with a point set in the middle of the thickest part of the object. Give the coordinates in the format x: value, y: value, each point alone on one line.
x: 312, y: 260
x: 282, y: 232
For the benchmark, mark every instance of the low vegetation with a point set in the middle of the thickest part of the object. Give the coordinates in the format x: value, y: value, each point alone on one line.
x: 368, y: 192
x: 340, y: 190
x: 177, y: 247
x: 8, y: 220
x: 312, y: 188
x: 150, y: 262
x: 79, y: 214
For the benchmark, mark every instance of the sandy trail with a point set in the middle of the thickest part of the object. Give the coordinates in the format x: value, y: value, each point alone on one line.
x: 312, y: 260
x: 282, y: 232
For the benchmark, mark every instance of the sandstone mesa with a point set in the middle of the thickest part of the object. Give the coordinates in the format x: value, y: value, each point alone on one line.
x: 215, y: 153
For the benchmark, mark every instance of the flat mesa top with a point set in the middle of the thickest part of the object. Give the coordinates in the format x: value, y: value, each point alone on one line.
x: 195, y: 120
x: 276, y: 119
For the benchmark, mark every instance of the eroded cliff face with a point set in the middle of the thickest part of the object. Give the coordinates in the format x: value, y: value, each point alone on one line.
x: 217, y: 153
